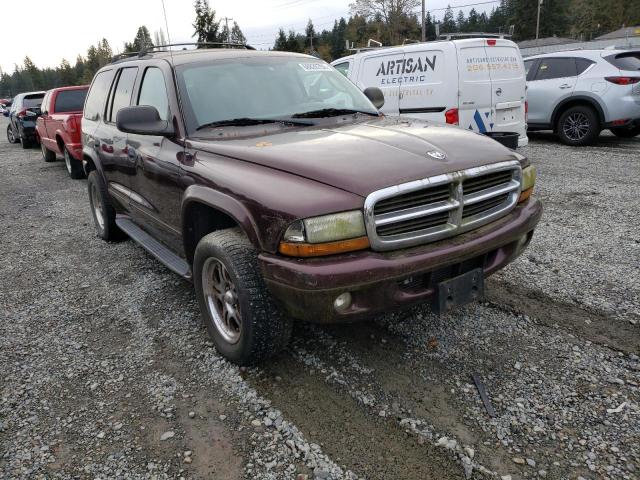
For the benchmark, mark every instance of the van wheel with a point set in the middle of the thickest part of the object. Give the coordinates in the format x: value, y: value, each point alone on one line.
x: 11, y: 135
x: 74, y: 167
x: 578, y: 126
x: 245, y: 324
x: 47, y: 155
x: 625, y: 132
x: 104, y: 215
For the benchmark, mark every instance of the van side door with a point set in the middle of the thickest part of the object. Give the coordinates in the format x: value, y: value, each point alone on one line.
x: 383, y: 70
x: 424, y: 91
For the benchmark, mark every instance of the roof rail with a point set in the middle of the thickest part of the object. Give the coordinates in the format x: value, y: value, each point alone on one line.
x: 120, y: 56
x: 153, y: 48
x: 453, y: 36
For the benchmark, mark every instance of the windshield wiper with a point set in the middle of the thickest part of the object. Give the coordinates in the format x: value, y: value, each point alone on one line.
x: 246, y: 121
x: 331, y: 112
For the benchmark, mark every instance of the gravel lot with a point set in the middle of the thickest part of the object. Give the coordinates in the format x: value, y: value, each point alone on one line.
x: 106, y: 373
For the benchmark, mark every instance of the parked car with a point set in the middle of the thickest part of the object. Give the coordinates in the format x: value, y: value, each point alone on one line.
x: 579, y: 93
x: 3, y: 108
x: 477, y: 83
x: 280, y: 201
x: 23, y: 114
x: 59, y: 127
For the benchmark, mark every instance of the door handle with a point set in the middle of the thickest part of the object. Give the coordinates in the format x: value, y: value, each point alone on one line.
x: 565, y: 85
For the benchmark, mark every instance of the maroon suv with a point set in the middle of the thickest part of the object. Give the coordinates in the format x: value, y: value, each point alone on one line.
x: 275, y: 184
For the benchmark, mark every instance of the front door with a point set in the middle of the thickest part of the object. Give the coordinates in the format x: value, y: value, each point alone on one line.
x: 155, y: 186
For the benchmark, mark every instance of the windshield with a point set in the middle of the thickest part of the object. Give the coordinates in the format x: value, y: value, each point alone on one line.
x: 265, y: 88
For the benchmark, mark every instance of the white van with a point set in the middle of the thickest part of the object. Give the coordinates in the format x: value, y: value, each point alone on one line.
x: 477, y: 83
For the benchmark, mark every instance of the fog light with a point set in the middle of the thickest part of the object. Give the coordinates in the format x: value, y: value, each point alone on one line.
x: 342, y: 302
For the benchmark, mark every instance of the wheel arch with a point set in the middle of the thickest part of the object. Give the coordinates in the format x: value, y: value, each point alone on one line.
x: 205, y: 210
x: 90, y: 161
x: 575, y: 101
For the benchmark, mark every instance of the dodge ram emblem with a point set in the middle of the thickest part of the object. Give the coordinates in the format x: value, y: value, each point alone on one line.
x: 437, y: 155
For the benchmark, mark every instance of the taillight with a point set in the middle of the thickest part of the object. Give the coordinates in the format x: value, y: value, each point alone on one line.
x: 526, y: 111
x: 451, y: 116
x: 72, y: 124
x: 623, y: 80
x: 21, y: 113
x: 491, y: 42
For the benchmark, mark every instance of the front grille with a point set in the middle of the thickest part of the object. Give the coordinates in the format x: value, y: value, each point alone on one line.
x: 442, y: 206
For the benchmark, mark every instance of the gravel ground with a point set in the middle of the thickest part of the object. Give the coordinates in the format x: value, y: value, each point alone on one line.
x: 106, y: 373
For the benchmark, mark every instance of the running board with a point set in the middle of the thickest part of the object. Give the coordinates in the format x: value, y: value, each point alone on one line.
x: 172, y: 261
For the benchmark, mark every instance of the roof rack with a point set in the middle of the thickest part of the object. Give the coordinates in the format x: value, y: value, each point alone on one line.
x: 164, y: 48
x: 453, y: 36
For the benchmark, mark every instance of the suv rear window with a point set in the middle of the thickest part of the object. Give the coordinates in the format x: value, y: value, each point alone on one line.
x: 625, y: 61
x: 30, y: 101
x: 95, y: 102
x: 70, y: 101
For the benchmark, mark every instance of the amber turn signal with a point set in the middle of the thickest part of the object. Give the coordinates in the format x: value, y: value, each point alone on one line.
x: 293, y: 249
x: 525, y: 195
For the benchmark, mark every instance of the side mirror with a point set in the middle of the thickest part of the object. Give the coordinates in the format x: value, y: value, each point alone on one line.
x: 143, y: 120
x: 375, y: 95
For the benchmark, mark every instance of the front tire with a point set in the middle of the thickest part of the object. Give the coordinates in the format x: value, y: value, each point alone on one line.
x: 11, y: 135
x: 104, y: 215
x: 238, y: 311
x: 47, y: 155
x: 625, y: 132
x: 74, y: 167
x: 578, y: 126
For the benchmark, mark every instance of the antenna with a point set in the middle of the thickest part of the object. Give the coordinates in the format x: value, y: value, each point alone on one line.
x: 166, y: 25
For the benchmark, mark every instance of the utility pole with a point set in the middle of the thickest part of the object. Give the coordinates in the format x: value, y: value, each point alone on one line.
x: 424, y: 27
x: 538, y: 21
x: 226, y: 21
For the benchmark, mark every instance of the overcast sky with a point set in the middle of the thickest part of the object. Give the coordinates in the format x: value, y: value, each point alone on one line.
x: 49, y: 31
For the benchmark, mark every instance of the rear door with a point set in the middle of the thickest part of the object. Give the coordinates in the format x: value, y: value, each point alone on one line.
x: 554, y: 80
x: 474, y: 89
x: 508, y: 86
x: 383, y: 69
x: 425, y: 91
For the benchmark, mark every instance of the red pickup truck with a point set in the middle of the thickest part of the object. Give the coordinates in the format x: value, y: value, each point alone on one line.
x: 59, y: 127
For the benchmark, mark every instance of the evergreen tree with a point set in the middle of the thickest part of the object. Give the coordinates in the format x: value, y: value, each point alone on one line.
x: 142, y: 41
x: 448, y: 23
x: 236, y: 34
x: 206, y: 28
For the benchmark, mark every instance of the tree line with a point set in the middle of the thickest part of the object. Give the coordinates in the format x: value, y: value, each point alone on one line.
x: 390, y: 22
x: 28, y: 77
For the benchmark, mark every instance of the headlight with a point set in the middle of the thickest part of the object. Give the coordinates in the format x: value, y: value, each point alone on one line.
x: 325, y: 235
x: 528, y: 182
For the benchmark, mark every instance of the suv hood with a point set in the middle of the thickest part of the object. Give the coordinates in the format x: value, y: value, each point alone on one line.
x: 365, y: 156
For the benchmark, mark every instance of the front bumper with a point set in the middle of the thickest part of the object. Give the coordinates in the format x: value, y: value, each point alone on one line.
x: 385, y: 281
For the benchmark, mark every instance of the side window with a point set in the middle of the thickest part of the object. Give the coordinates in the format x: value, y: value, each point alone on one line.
x: 122, y: 93
x: 582, y: 64
x: 45, y: 103
x: 153, y: 92
x: 556, y: 68
x: 529, y: 69
x: 94, y: 106
x: 343, y: 68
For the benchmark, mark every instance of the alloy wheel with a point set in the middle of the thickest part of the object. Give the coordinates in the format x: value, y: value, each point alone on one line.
x: 221, y: 298
x: 576, y: 126
x: 67, y: 160
x: 11, y: 135
x: 96, y: 203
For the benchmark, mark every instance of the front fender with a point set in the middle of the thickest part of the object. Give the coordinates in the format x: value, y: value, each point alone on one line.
x: 225, y: 204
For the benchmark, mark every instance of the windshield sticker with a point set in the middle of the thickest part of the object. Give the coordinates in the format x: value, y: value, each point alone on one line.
x: 315, y: 67
x: 406, y: 70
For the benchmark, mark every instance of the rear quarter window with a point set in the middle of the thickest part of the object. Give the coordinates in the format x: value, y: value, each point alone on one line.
x: 626, y: 61
x: 582, y: 64
x: 70, y: 101
x: 94, y: 107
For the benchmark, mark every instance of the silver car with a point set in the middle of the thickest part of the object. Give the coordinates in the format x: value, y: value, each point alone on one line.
x: 579, y: 93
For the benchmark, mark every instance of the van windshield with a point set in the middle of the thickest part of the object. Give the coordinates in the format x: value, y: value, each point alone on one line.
x: 265, y: 88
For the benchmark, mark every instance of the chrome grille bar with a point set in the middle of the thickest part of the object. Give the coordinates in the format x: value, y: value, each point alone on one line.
x: 494, y: 191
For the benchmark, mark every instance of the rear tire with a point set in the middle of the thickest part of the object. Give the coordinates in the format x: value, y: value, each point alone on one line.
x: 578, y: 126
x: 47, y: 155
x: 74, y: 167
x: 625, y: 132
x: 104, y: 215
x: 241, y: 317
x: 11, y: 135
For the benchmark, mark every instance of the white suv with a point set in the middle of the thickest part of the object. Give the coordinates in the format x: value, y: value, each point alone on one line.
x: 579, y: 93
